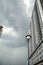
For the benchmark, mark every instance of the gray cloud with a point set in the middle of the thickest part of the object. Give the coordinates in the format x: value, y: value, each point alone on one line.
x: 15, y: 20
x: 17, y: 57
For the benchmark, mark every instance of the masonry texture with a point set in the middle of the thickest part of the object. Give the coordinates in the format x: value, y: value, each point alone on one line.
x: 36, y: 31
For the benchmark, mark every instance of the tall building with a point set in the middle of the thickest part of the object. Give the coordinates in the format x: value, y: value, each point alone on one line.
x: 1, y: 29
x: 36, y: 31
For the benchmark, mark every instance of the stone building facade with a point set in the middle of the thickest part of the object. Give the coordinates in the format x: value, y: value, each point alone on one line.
x: 36, y: 31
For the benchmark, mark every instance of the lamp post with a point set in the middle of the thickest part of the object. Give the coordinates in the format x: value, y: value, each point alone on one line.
x: 28, y: 38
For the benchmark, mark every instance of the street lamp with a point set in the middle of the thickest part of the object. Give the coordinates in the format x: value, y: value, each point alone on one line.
x: 28, y: 38
x: 1, y: 29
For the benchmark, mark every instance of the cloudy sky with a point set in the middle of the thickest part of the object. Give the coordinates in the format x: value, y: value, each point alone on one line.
x: 15, y: 18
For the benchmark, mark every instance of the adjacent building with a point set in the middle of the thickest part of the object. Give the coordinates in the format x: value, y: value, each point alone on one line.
x: 36, y: 31
x: 1, y: 29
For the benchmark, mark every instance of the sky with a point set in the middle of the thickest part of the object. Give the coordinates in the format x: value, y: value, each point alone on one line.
x: 15, y: 17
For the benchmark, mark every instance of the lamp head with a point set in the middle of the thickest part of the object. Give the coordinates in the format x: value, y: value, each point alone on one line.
x: 28, y: 37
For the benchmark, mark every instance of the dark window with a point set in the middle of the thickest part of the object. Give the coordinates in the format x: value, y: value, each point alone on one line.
x: 41, y: 1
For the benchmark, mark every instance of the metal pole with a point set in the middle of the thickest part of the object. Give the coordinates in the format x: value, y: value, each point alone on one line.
x: 28, y: 53
x: 28, y: 38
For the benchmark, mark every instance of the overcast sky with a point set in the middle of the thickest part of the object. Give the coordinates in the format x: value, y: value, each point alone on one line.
x: 15, y: 18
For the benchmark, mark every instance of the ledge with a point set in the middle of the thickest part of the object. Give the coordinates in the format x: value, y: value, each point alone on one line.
x: 36, y: 48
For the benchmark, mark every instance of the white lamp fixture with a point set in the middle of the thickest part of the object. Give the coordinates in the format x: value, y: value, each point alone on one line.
x: 28, y: 36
